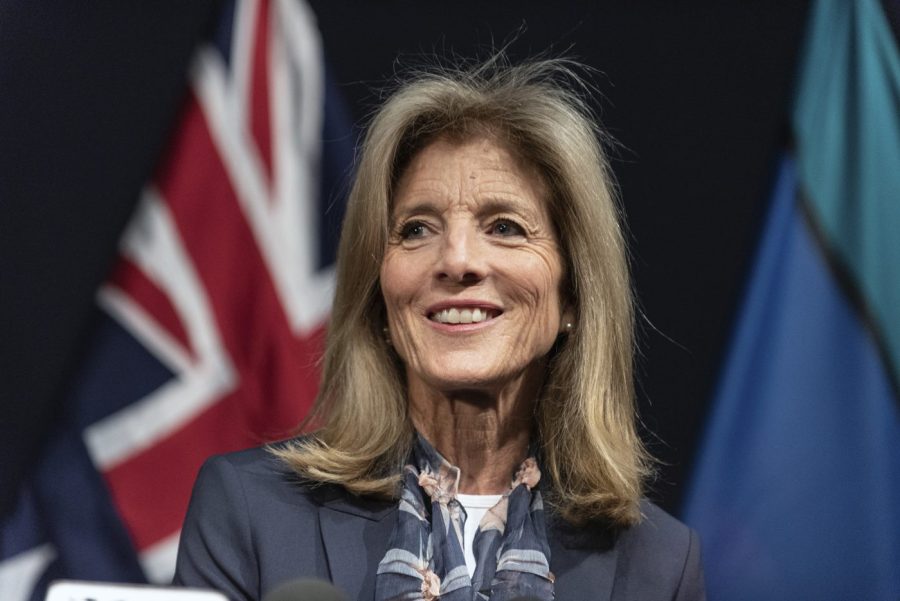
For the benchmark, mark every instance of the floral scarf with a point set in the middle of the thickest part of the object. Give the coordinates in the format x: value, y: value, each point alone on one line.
x: 425, y: 558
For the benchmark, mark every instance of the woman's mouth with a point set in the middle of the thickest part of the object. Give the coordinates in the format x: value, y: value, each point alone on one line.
x: 463, y: 315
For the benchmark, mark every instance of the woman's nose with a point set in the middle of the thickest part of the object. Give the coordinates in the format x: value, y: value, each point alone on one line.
x: 462, y: 258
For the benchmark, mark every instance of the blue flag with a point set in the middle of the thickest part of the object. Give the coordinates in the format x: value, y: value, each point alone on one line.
x: 796, y: 491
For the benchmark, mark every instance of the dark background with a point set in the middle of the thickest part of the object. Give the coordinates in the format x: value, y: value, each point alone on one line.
x: 696, y: 94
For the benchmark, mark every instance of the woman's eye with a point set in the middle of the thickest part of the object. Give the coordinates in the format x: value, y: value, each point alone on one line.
x: 412, y: 230
x: 505, y: 227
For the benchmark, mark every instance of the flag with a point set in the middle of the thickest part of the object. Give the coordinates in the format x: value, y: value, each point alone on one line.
x: 796, y: 490
x: 209, y: 328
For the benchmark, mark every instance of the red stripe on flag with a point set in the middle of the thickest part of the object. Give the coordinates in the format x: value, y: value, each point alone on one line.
x: 151, y: 490
x: 248, y: 312
x: 277, y: 373
x: 132, y: 280
x: 260, y: 125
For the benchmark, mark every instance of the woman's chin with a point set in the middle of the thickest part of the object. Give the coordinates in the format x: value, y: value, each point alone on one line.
x: 461, y: 380
x: 482, y: 377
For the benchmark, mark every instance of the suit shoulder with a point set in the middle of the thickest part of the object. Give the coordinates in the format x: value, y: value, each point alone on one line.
x: 247, y: 507
x: 659, y: 529
x: 258, y: 473
x: 660, y: 552
x: 658, y: 536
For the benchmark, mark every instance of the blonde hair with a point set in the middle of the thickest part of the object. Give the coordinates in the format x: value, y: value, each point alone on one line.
x: 585, y: 415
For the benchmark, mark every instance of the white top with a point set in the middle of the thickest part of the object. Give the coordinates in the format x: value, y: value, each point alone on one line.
x: 476, y: 506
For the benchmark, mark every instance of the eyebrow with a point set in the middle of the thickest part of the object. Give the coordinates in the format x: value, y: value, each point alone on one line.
x: 423, y: 207
x: 506, y: 204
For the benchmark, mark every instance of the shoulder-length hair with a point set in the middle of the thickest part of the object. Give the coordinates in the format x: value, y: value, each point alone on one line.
x: 585, y: 414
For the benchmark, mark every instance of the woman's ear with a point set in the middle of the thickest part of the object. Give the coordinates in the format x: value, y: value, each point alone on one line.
x: 567, y: 320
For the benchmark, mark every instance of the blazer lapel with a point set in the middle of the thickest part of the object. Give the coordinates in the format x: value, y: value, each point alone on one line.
x: 355, y: 534
x: 584, y: 563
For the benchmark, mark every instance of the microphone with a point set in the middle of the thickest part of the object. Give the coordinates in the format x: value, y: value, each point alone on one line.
x: 313, y: 589
x: 305, y: 589
x: 82, y: 590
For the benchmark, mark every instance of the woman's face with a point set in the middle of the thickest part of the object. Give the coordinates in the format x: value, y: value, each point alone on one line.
x: 472, y: 272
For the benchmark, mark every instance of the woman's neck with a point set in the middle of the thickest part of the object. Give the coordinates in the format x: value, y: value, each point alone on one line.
x: 485, y: 434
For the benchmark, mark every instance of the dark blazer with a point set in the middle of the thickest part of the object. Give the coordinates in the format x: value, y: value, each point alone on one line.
x: 252, y: 525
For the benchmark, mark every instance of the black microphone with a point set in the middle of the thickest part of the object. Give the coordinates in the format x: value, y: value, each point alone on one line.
x: 305, y: 589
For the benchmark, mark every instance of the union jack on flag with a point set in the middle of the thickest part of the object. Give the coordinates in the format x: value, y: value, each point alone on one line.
x: 210, y: 325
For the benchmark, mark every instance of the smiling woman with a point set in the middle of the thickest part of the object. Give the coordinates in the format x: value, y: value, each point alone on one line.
x: 471, y: 231
x: 478, y: 363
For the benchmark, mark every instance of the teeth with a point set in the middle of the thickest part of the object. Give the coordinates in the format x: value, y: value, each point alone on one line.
x: 455, y: 315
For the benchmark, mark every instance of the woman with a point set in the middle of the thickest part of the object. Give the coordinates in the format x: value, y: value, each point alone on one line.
x: 478, y: 366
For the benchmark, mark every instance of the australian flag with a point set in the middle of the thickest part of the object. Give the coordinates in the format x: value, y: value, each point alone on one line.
x: 210, y: 325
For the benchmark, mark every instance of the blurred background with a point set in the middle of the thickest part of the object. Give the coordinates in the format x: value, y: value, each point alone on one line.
x: 171, y: 187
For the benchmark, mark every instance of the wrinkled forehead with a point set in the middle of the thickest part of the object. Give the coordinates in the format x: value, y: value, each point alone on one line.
x: 448, y: 141
x: 478, y: 177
